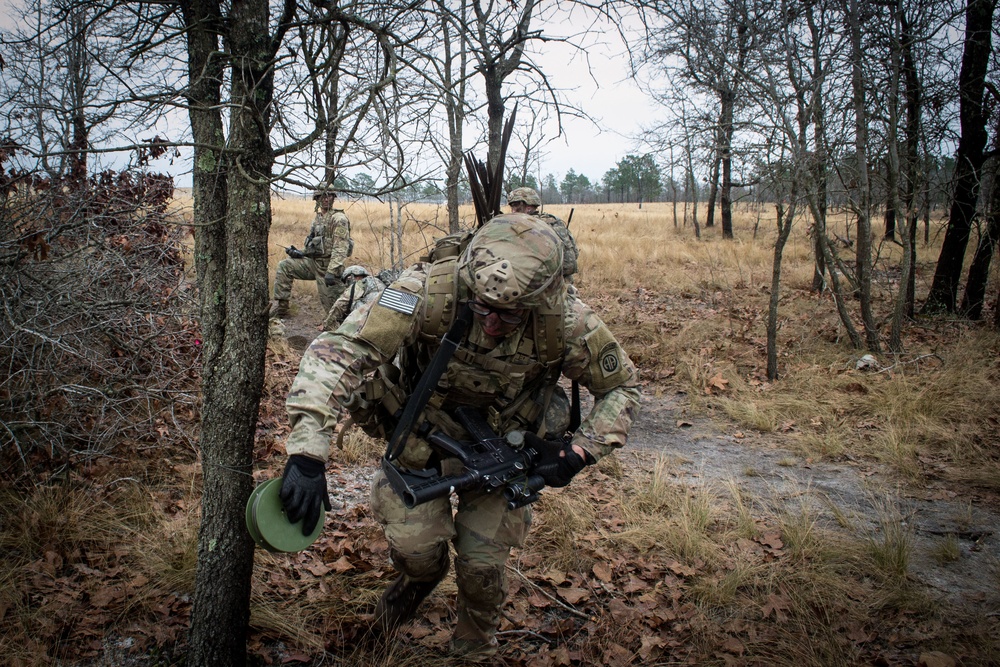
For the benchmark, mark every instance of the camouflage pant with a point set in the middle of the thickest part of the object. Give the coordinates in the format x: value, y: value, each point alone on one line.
x: 290, y: 270
x: 482, y: 529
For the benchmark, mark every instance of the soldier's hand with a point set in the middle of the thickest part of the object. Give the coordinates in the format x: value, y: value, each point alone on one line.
x: 294, y: 252
x: 558, y: 464
x: 303, y: 491
x: 332, y: 280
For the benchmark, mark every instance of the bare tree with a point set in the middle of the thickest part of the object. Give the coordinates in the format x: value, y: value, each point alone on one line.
x: 943, y: 295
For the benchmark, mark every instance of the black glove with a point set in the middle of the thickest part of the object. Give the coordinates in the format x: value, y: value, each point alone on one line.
x: 558, y: 463
x: 294, y: 252
x: 332, y: 280
x: 303, y: 488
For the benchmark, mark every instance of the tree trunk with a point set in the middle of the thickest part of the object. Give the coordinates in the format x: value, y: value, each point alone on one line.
x: 864, y: 240
x: 819, y: 165
x: 979, y: 270
x: 893, y: 195
x: 234, y: 293
x: 912, y: 171
x: 785, y: 219
x: 943, y: 295
x: 728, y: 100
x: 455, y: 109
x: 713, y: 189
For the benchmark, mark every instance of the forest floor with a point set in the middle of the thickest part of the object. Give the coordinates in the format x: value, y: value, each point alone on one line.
x: 708, y: 454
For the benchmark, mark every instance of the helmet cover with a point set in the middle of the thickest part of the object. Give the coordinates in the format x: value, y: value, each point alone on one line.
x: 513, y: 261
x: 355, y: 270
x: 324, y: 189
x: 527, y: 195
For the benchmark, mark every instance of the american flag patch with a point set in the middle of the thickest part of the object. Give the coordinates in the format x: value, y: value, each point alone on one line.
x: 401, y: 302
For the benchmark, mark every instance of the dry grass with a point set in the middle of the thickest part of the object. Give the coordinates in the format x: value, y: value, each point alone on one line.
x: 689, y: 311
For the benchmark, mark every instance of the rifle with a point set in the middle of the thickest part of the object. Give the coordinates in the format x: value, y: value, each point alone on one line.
x: 290, y: 250
x: 486, y: 187
x: 490, y: 463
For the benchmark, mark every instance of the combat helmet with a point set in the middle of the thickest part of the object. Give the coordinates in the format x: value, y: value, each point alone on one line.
x: 323, y: 189
x: 527, y: 195
x: 355, y: 270
x: 513, y: 261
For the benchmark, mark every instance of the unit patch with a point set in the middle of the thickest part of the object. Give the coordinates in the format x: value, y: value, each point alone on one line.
x: 401, y: 302
x: 608, y: 359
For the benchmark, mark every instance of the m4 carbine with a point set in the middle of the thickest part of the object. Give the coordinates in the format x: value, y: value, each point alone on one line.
x: 490, y: 463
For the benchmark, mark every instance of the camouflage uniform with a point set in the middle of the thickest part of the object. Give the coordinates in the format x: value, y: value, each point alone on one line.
x: 358, y: 294
x: 326, y: 249
x: 505, y: 377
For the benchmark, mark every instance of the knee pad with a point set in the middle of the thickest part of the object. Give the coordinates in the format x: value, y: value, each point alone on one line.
x: 483, y: 586
x: 429, y: 566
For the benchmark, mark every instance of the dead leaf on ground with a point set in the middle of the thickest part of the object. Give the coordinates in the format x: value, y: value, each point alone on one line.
x: 778, y: 605
x: 716, y: 382
x: 936, y: 659
x: 733, y: 645
x: 603, y: 572
x: 573, y: 595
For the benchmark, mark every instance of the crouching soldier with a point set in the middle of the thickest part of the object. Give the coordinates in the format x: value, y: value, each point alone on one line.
x: 504, y: 301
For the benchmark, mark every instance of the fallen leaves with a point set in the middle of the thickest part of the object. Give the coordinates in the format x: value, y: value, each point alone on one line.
x: 716, y: 384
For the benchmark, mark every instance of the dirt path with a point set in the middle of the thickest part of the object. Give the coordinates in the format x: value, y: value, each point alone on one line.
x: 715, y: 455
x: 712, y: 455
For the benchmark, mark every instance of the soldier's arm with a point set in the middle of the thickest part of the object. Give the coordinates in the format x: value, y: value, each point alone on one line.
x: 595, y: 358
x: 338, y: 240
x: 337, y: 312
x: 335, y: 364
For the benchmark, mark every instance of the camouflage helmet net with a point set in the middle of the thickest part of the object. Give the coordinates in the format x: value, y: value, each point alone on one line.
x: 355, y: 270
x: 526, y: 195
x: 513, y: 261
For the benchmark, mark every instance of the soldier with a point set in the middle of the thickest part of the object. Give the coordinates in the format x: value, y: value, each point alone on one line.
x: 363, y: 289
x: 322, y: 259
x: 526, y: 200
x: 525, y: 332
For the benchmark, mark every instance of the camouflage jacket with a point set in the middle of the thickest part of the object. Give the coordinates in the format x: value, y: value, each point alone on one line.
x: 570, y: 251
x: 329, y: 238
x: 358, y: 294
x: 335, y: 365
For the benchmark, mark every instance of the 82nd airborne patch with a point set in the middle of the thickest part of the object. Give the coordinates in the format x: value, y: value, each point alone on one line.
x: 608, y: 360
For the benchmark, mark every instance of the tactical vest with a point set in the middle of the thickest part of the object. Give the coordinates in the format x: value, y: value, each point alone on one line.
x: 515, y: 393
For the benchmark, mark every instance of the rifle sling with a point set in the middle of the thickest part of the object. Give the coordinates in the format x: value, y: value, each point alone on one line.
x: 428, y: 382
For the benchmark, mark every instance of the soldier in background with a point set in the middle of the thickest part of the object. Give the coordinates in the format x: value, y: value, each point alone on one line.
x: 526, y: 200
x: 322, y: 259
x: 364, y: 288
x: 525, y: 331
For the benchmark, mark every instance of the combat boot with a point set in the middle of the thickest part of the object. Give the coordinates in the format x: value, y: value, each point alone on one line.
x: 279, y: 308
x: 420, y: 575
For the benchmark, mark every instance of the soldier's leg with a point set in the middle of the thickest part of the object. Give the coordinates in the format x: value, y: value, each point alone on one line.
x: 330, y: 284
x: 418, y: 545
x: 288, y: 271
x: 486, y: 531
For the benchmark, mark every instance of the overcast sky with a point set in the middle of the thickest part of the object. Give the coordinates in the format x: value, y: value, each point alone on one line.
x: 592, y: 71
x: 597, y: 82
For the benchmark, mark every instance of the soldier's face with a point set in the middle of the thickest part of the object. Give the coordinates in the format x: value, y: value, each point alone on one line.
x: 497, y: 322
x: 521, y: 207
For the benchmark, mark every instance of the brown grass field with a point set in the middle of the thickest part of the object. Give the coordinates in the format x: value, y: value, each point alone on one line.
x: 632, y: 565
